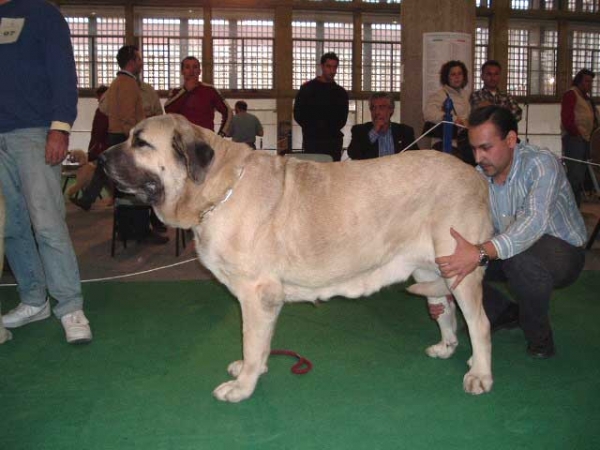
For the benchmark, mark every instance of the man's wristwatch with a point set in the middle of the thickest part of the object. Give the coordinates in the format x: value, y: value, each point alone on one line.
x: 484, y: 258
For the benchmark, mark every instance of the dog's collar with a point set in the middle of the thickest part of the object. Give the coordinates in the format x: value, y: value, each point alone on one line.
x: 227, y: 196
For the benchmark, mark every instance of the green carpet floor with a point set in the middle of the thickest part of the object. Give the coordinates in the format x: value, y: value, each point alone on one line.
x: 160, y: 349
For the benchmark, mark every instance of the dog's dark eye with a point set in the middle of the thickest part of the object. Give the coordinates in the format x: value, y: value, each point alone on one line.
x: 140, y: 142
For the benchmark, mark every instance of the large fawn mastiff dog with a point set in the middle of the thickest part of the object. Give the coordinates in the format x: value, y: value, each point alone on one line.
x: 276, y: 229
x: 5, y: 335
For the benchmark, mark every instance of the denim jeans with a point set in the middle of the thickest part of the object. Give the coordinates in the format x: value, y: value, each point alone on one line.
x: 38, y: 245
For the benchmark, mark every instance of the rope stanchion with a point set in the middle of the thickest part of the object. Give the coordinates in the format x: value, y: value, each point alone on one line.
x: 303, y: 365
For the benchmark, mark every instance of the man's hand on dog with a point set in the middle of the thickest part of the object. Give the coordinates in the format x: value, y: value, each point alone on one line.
x: 460, y: 264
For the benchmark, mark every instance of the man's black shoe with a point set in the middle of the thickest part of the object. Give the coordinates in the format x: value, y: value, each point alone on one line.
x: 80, y: 204
x: 508, y: 320
x: 543, y: 349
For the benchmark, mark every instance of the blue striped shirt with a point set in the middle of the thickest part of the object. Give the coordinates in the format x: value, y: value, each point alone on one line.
x: 386, y: 141
x: 536, y: 199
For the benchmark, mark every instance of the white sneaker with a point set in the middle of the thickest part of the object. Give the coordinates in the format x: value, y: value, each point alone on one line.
x: 77, y: 327
x: 24, y: 314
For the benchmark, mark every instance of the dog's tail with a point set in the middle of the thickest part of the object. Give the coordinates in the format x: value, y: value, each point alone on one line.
x: 437, y: 288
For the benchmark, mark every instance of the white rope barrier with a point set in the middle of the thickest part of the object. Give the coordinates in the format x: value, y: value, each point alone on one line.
x: 429, y: 131
x: 127, y: 275
x: 462, y: 126
x: 589, y: 163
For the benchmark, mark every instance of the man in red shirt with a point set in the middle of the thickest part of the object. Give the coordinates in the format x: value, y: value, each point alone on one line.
x: 197, y: 101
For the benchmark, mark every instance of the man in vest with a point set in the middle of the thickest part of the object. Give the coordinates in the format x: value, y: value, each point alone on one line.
x: 579, y: 118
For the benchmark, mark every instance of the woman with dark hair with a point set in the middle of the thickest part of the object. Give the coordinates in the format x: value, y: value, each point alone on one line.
x: 454, y: 76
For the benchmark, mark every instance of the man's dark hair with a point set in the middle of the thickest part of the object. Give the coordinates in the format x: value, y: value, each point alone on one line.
x: 189, y: 58
x: 582, y: 73
x: 101, y: 90
x: 501, y: 117
x: 126, y: 54
x: 445, y: 72
x: 329, y: 55
x: 491, y: 62
x: 241, y: 105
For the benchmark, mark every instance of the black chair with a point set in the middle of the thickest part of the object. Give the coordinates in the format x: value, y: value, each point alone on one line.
x: 129, y: 217
x: 179, y: 237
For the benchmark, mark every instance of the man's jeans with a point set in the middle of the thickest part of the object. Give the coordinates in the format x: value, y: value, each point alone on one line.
x: 35, y: 207
x: 532, y: 276
x: 577, y: 148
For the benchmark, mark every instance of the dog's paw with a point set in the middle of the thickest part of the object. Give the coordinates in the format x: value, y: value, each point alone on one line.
x: 441, y: 350
x: 233, y: 391
x: 477, y: 383
x: 235, y: 368
x: 5, y: 335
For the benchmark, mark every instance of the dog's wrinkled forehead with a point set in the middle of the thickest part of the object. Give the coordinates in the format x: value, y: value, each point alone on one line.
x: 153, y: 133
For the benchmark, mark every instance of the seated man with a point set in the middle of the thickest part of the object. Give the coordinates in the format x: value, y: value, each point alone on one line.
x: 381, y: 136
x: 539, y: 232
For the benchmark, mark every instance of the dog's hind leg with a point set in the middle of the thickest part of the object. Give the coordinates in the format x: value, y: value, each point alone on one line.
x: 469, y: 296
x: 446, y: 321
x: 261, y: 304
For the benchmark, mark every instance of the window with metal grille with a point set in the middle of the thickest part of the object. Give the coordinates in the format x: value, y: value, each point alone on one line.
x: 585, y: 51
x: 378, y: 1
x: 482, y: 39
x: 96, y: 41
x: 381, y: 63
x: 165, y: 41
x: 533, y: 4
x: 243, y: 53
x: 532, y: 54
x: 584, y: 5
x: 313, y: 38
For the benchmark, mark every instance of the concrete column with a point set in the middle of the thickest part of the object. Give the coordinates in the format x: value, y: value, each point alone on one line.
x: 426, y: 16
x: 283, y: 76
x: 499, y: 37
x: 207, y: 49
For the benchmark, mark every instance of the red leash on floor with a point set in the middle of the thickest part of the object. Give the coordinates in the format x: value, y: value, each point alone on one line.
x: 301, y: 367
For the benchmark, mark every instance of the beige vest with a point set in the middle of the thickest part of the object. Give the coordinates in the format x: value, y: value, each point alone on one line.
x: 584, y: 115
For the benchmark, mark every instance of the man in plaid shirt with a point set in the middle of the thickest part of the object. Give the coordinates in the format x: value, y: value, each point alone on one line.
x: 490, y: 94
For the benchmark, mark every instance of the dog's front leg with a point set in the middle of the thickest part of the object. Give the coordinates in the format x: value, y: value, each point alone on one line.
x: 260, y: 309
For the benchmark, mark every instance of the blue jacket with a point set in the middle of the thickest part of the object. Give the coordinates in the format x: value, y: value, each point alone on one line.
x: 38, y: 81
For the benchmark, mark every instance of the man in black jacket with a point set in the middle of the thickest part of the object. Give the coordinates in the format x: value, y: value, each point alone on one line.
x: 381, y: 136
x: 321, y: 109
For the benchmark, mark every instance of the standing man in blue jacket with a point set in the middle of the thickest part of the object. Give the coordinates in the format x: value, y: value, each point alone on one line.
x: 35, y: 121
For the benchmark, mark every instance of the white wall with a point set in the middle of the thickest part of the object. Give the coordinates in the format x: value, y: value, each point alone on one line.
x: 540, y: 123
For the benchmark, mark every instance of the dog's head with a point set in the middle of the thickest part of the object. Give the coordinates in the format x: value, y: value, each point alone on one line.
x: 160, y: 154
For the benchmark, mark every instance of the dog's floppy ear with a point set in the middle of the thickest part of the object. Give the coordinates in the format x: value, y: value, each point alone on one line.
x: 194, y: 153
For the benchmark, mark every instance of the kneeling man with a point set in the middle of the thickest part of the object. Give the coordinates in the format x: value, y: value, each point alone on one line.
x: 539, y: 232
